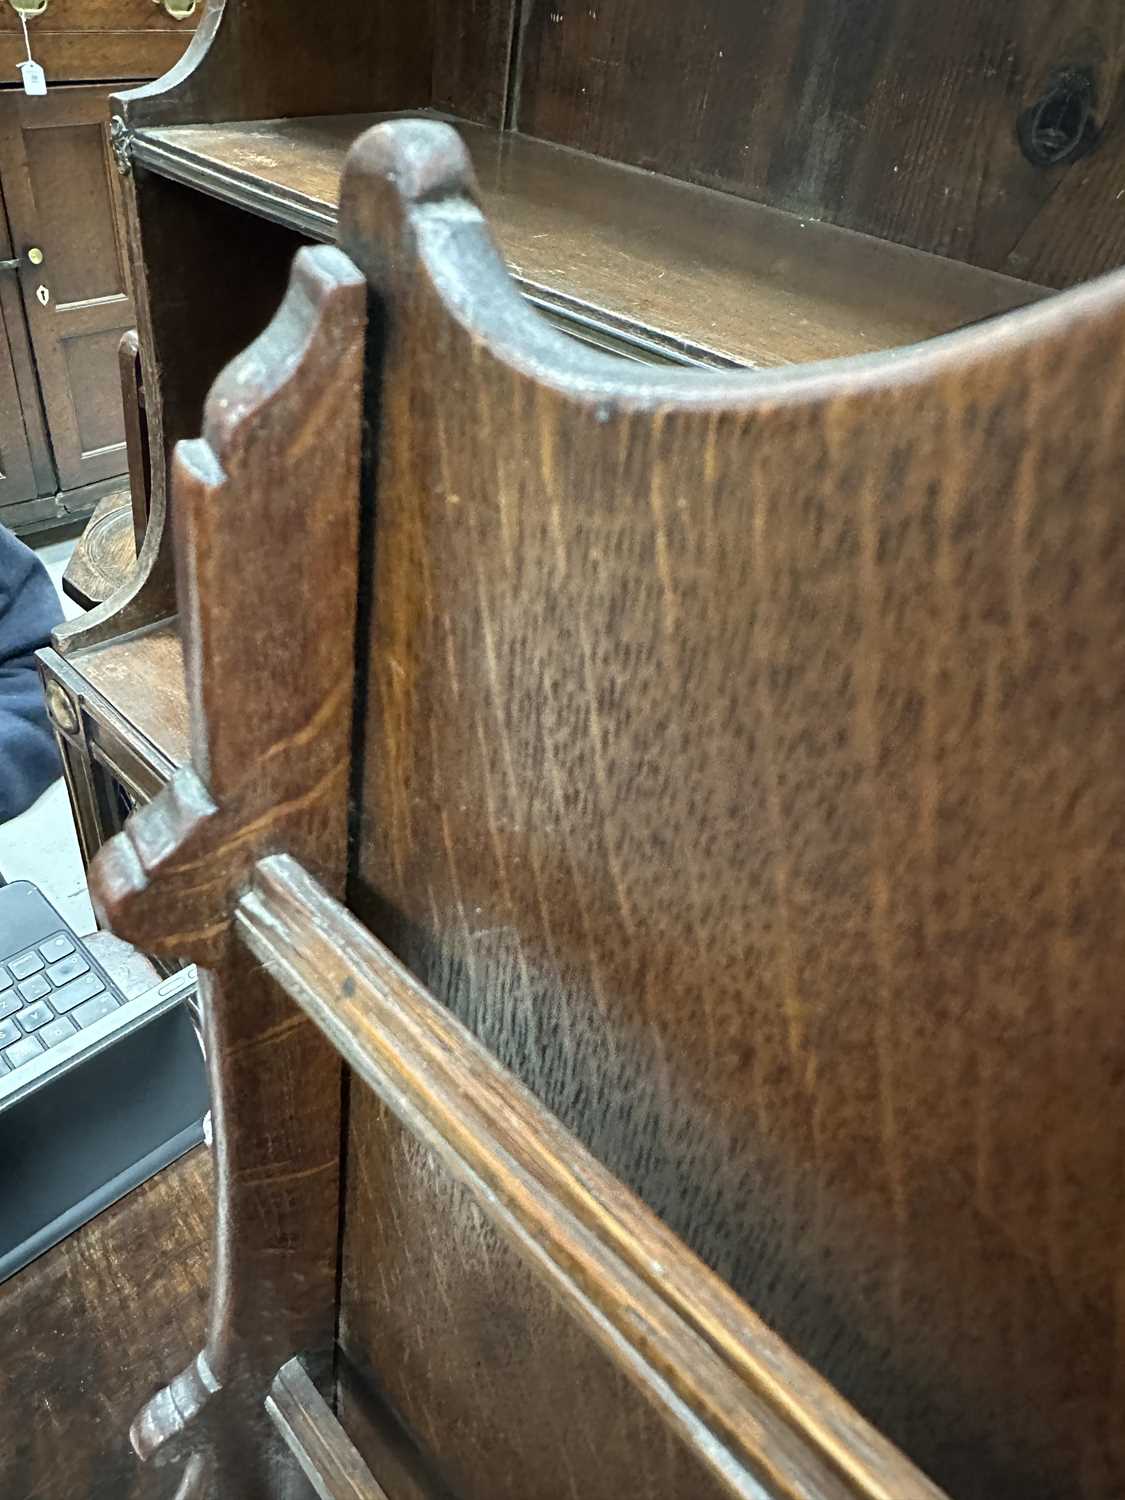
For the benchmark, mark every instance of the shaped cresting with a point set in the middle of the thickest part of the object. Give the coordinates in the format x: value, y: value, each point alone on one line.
x: 239, y: 864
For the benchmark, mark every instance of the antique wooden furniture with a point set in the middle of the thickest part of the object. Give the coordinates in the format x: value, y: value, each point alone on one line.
x: 715, y: 763
x: 96, y: 40
x: 826, y: 184
x: 731, y: 759
x: 64, y: 281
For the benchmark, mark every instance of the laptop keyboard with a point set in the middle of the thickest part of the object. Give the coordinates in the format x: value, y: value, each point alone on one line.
x: 47, y: 994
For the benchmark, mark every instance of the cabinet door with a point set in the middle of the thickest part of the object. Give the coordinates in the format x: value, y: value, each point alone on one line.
x: 25, y: 464
x: 17, y: 477
x: 64, y: 199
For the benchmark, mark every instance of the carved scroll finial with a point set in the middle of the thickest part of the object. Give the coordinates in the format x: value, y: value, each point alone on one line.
x: 419, y: 161
x: 393, y: 168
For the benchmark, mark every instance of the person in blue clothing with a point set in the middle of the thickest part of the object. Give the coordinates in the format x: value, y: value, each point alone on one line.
x: 29, y: 611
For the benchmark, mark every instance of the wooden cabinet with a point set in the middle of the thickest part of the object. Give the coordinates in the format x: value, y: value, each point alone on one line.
x: 17, y: 477
x: 735, y: 756
x: 91, y: 40
x: 62, y: 194
x: 64, y: 290
x: 26, y: 470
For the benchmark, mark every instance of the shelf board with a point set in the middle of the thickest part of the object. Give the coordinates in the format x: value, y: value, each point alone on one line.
x: 142, y: 675
x: 651, y: 267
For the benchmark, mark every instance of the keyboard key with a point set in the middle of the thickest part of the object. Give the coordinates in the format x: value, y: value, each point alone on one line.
x: 5, y: 979
x: 25, y: 965
x: 55, y: 948
x: 56, y: 1032
x: 23, y: 1052
x: 35, y: 987
x: 75, y: 992
x: 67, y: 969
x: 35, y: 1016
x: 9, y: 1033
x: 93, y: 1010
x: 9, y: 1004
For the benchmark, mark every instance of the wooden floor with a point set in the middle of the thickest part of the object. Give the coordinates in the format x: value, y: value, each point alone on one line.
x: 91, y: 1330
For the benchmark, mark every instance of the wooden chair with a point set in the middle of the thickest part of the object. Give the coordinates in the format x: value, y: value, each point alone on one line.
x: 692, y: 807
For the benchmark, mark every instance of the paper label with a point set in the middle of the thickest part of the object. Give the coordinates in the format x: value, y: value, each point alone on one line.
x: 34, y: 78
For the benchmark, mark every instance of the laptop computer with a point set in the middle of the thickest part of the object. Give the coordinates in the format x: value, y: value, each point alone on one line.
x: 97, y: 1090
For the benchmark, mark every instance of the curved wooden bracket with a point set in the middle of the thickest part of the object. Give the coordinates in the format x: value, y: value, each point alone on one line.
x: 267, y: 499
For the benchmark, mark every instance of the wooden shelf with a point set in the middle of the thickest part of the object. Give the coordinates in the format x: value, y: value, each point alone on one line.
x: 142, y: 676
x: 651, y: 267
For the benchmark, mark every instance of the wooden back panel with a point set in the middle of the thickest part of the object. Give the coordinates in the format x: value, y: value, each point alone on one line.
x: 741, y: 761
x: 898, y: 118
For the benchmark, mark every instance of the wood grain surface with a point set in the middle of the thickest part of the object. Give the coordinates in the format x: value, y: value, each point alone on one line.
x: 473, y: 45
x: 898, y: 118
x: 742, y: 766
x: 327, y: 1457
x: 89, y: 56
x: 750, y: 1414
x: 142, y: 675
x: 91, y: 1330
